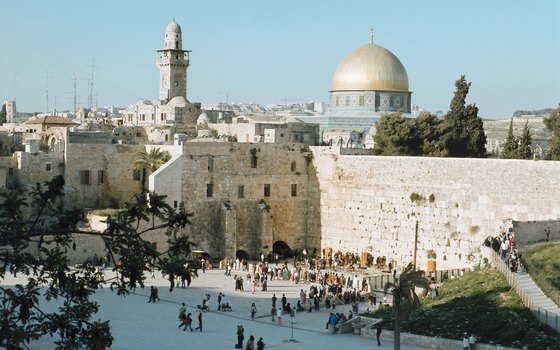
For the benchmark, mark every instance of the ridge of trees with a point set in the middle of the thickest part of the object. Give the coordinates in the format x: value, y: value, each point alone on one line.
x: 459, y: 134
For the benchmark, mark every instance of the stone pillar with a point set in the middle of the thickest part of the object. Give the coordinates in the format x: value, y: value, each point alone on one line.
x: 229, y: 225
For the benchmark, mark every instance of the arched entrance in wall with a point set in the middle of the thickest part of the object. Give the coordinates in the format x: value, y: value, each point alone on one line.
x: 281, y: 249
x: 241, y: 254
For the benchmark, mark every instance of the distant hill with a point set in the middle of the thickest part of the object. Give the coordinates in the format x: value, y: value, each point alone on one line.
x: 498, y: 129
x: 538, y: 113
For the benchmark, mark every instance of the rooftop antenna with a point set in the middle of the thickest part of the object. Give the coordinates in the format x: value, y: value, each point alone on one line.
x: 46, y: 90
x: 371, y: 36
x: 75, y: 94
x: 90, y: 95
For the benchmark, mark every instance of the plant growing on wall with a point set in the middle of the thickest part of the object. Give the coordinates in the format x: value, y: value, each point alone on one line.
x: 23, y: 318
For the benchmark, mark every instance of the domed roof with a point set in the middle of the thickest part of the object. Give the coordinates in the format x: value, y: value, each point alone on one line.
x: 173, y: 27
x: 178, y: 101
x: 203, y: 118
x: 370, y: 67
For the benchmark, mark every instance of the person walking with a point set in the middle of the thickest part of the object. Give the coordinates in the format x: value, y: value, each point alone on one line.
x: 253, y: 311
x: 199, y: 321
x: 378, y: 333
x: 188, y: 322
x: 219, y: 301
x: 260, y: 344
x: 284, y: 301
x: 465, y: 341
x: 182, y: 315
x: 279, y: 315
x: 472, y: 342
x: 274, y: 300
x: 273, y: 313
x: 250, y: 343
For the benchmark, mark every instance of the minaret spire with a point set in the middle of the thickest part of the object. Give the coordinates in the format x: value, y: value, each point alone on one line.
x: 371, y: 36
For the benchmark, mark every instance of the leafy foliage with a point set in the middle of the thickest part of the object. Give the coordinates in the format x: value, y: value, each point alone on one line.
x: 36, y: 235
x: 398, y: 136
x: 151, y: 160
x: 552, y: 122
x: 405, y: 299
x: 464, y: 130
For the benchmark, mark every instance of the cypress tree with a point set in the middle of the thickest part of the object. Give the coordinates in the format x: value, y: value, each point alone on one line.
x: 464, y: 135
x: 509, y: 147
x: 524, y: 149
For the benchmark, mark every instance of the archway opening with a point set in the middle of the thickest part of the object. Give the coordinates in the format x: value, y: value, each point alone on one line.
x: 282, y: 250
x: 242, y: 255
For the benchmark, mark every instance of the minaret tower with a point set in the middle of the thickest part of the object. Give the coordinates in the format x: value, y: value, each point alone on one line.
x: 172, y: 62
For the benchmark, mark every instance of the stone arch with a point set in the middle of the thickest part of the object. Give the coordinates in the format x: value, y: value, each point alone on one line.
x: 282, y: 249
x: 241, y: 254
x: 340, y: 142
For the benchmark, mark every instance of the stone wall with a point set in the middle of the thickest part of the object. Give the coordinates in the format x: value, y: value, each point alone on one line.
x: 212, y: 174
x: 114, y: 186
x: 379, y: 204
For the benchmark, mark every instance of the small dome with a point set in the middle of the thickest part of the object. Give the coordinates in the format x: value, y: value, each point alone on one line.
x: 178, y: 101
x: 173, y: 27
x: 203, y: 118
x: 370, y: 67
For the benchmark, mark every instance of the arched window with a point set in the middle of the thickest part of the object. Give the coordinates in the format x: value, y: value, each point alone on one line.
x: 293, y: 166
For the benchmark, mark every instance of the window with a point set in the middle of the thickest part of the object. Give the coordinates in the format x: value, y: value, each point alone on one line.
x: 210, y: 164
x: 85, y: 177
x: 294, y: 190
x: 136, y: 176
x: 267, y: 190
x: 100, y: 177
x: 293, y: 166
x: 175, y: 204
x: 48, y: 166
x: 241, y: 192
x: 253, y: 161
x: 209, y: 190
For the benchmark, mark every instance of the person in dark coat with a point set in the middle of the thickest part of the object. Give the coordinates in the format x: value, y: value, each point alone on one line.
x: 260, y: 344
x: 240, y: 337
x: 378, y: 333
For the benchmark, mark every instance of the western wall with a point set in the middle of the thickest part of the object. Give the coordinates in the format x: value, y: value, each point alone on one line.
x: 373, y: 204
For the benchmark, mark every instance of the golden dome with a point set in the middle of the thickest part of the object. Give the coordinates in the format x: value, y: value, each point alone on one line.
x: 370, y: 67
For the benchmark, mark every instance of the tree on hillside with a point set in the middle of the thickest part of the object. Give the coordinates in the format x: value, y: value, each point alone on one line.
x: 552, y: 122
x: 150, y: 161
x: 524, y: 149
x: 464, y: 130
x: 36, y: 235
x: 405, y: 299
x: 510, y: 145
x: 396, y: 136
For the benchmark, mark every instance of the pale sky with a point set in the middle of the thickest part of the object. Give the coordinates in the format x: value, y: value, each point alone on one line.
x: 271, y: 51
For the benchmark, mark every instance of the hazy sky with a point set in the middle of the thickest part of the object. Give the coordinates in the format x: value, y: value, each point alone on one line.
x: 268, y: 51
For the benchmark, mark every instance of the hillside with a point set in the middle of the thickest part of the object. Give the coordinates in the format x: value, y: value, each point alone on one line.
x: 480, y: 302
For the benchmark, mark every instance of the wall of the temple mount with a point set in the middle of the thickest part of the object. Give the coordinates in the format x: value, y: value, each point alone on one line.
x: 372, y: 204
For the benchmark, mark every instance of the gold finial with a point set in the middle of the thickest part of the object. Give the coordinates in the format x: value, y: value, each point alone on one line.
x: 371, y: 36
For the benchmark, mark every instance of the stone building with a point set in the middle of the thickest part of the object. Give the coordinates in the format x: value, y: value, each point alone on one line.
x: 172, y: 107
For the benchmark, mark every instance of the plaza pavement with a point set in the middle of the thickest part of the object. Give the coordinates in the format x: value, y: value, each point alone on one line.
x: 137, y: 324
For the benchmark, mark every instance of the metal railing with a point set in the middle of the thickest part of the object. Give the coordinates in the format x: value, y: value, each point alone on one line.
x: 550, y: 318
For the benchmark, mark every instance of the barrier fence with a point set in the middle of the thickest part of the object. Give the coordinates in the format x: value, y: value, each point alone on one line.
x: 550, y: 318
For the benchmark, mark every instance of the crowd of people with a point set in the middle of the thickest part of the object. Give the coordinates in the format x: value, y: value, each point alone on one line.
x: 505, y: 245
